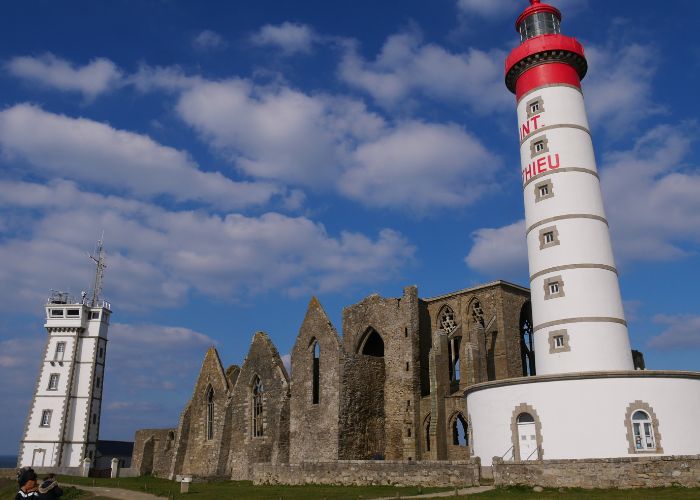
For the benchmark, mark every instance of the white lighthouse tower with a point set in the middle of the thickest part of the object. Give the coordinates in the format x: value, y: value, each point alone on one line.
x: 585, y: 400
x: 63, y: 424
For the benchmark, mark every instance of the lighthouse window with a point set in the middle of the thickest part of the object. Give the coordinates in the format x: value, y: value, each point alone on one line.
x: 553, y: 288
x: 559, y: 341
x: 94, y: 314
x: 53, y: 382
x: 534, y: 107
x: 642, y: 428
x: 543, y: 190
x: 549, y: 237
x: 74, y: 313
x: 56, y: 313
x: 60, y: 351
x: 45, y: 418
x: 539, y: 146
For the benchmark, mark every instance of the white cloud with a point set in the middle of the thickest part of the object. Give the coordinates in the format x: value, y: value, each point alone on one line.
x: 208, y: 40
x: 682, y: 332
x: 96, y: 77
x: 99, y: 155
x: 406, y: 66
x: 289, y: 38
x: 157, y: 257
x: 277, y: 133
x: 420, y: 166
x: 652, y: 200
x: 618, y: 87
x: 499, y: 251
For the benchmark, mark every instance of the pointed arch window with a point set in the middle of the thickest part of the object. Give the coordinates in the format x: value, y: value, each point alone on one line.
x: 210, y: 413
x: 460, y: 434
x: 427, y: 433
x: 453, y: 347
x: 316, y: 374
x: 527, y: 341
x: 373, y: 345
x: 447, y: 320
x: 258, y: 391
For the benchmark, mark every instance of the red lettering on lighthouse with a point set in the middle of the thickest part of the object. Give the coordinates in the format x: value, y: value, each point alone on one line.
x: 540, y: 166
x: 530, y: 125
x: 552, y: 165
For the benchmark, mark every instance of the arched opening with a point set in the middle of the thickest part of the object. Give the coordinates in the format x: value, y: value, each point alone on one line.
x: 373, y: 344
x: 448, y: 324
x: 258, y: 391
x: 527, y: 437
x: 316, y: 373
x: 210, y: 413
x: 460, y: 434
x: 453, y: 347
x: 527, y: 340
x: 643, y: 431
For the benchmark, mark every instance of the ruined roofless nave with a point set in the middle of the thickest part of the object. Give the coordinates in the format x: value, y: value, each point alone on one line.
x: 391, y: 387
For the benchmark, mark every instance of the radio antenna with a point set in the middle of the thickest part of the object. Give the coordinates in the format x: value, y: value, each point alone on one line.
x: 100, y: 265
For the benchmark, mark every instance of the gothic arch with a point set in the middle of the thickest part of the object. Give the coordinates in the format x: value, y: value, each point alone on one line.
x: 455, y: 421
x: 527, y: 340
x: 371, y: 343
x: 446, y: 319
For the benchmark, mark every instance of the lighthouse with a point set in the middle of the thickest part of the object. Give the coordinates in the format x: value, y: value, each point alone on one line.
x: 578, y: 319
x: 585, y: 400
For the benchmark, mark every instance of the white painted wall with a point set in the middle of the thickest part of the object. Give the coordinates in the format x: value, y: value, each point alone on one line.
x: 586, y: 418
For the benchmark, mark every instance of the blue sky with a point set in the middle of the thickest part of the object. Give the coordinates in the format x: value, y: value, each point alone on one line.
x: 244, y: 156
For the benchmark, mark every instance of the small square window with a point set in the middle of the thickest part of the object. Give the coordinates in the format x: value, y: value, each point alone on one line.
x: 553, y: 288
x: 539, y: 146
x: 549, y: 237
x: 534, y: 107
x: 559, y: 341
x: 544, y: 190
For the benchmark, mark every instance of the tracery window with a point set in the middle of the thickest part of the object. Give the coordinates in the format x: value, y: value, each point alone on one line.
x: 447, y: 320
x: 460, y: 434
x: 210, y: 413
x: 478, y: 313
x: 258, y: 391
x: 527, y: 341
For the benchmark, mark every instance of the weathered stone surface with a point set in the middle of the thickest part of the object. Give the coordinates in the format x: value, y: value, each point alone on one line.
x: 153, y: 451
x: 361, y: 472
x: 630, y: 472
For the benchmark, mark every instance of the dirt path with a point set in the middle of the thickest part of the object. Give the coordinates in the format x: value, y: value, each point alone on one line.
x: 464, y: 491
x: 118, y: 493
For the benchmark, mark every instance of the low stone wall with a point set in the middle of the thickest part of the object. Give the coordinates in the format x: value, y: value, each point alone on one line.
x: 362, y: 472
x: 628, y: 472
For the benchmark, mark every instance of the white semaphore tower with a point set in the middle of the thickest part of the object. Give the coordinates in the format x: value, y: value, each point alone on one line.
x: 63, y: 424
x: 586, y: 399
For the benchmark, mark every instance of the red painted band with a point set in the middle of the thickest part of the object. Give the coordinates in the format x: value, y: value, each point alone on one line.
x: 546, y: 74
x: 542, y: 43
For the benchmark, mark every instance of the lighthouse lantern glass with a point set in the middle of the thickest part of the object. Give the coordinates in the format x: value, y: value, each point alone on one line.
x: 539, y: 23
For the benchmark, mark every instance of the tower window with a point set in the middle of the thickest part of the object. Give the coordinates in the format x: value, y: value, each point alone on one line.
x: 60, y: 351
x: 53, y: 382
x: 559, y: 341
x: 642, y: 428
x: 534, y: 107
x: 94, y: 314
x: 98, y: 381
x: 45, y: 418
x: 56, y: 313
x: 539, y: 146
x: 553, y: 288
x: 549, y: 237
x: 73, y: 313
x: 210, y: 413
x: 543, y: 190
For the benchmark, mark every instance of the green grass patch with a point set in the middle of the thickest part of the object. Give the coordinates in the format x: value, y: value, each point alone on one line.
x: 246, y: 489
x: 525, y: 492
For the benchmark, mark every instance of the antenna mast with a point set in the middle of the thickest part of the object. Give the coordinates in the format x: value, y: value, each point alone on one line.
x: 100, y: 266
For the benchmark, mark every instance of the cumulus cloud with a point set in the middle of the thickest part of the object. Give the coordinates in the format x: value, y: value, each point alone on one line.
x: 652, y: 200
x: 208, y: 40
x: 100, y: 155
x: 289, y: 38
x: 406, y: 66
x: 91, y: 80
x: 419, y: 166
x: 499, y: 251
x: 681, y: 332
x: 157, y: 257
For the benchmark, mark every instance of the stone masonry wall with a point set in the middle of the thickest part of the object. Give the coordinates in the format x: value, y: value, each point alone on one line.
x: 153, y: 451
x: 629, y: 472
x: 359, y: 472
x: 314, y: 426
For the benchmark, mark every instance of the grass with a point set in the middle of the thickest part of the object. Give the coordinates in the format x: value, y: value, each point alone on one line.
x: 245, y: 489
x: 522, y: 492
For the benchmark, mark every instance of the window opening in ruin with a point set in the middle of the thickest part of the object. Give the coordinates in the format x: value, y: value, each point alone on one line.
x: 408, y: 432
x: 210, y: 413
x: 405, y: 332
x: 427, y: 434
x: 527, y: 340
x: 453, y: 347
x: 315, y: 390
x: 45, y: 418
x: 447, y: 320
x: 257, y: 407
x: 478, y: 313
x: 643, y: 431
x: 374, y: 345
x: 53, y: 382
x: 60, y: 350
x: 459, y: 431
